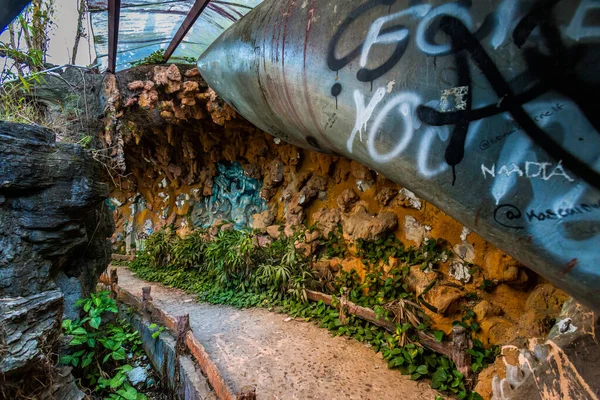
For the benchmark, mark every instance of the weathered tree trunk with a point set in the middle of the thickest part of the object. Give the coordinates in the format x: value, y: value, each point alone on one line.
x: 79, y: 32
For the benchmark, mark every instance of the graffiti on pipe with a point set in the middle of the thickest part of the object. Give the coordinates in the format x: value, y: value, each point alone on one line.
x: 454, y: 20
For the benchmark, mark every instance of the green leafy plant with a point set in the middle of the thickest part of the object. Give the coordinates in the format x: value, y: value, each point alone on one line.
x: 334, y: 245
x: 157, y: 330
x: 284, y: 270
x: 468, y: 322
x: 229, y: 257
x: 482, y: 357
x: 99, y: 348
x: 380, y: 250
x: 428, y: 255
x: 376, y: 252
x: 18, y: 105
x: 158, y: 57
x: 487, y: 285
x: 438, y: 335
x: 189, y: 251
x: 159, y: 246
x: 85, y: 141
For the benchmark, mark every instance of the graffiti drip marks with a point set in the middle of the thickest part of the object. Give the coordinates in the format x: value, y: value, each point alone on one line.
x: 363, y: 114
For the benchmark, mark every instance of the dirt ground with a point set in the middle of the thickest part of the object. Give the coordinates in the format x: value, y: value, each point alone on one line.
x: 284, y: 360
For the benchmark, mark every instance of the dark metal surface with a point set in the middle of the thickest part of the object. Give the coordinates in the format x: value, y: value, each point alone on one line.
x: 187, y: 23
x: 10, y: 10
x: 488, y: 110
x: 114, y: 12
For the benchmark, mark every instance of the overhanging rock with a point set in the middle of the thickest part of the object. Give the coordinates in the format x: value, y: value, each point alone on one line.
x: 485, y: 109
x: 54, y: 226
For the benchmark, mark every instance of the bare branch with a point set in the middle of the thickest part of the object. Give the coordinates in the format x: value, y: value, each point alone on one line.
x: 80, y: 31
x: 11, y: 31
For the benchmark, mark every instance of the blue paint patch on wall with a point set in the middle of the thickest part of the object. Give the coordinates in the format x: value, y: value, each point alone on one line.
x: 235, y: 198
x: 111, y: 206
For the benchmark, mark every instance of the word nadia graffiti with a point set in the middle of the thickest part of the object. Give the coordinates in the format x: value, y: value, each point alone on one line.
x: 566, y: 71
x: 529, y: 170
x: 509, y: 215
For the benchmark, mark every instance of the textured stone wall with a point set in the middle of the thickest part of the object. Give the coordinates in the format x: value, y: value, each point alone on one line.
x: 177, y: 137
x: 176, y: 144
x: 54, y: 230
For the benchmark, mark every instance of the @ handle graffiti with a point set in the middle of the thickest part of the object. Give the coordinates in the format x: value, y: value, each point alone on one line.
x: 568, y: 71
x: 509, y: 216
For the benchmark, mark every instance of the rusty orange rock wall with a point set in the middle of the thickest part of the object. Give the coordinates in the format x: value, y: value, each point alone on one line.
x: 175, y: 130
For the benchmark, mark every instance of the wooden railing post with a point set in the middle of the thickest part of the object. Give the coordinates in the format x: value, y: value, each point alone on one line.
x: 455, y: 350
x: 461, y: 342
x: 343, y: 306
x: 146, y: 299
x: 247, y: 393
x: 113, y: 278
x: 182, y: 326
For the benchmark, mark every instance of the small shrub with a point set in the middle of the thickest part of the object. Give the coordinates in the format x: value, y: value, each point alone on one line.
x: 17, y: 104
x: 159, y: 246
x: 99, y: 349
x: 229, y: 257
x: 285, y: 271
x: 189, y: 251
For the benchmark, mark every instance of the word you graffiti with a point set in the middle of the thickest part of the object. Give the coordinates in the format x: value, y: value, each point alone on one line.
x: 564, y: 70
